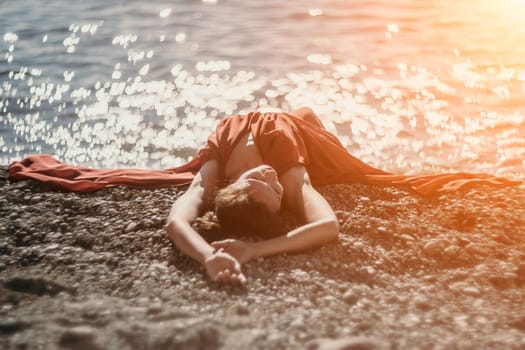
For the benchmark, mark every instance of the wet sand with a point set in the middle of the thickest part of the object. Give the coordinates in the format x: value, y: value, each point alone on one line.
x: 96, y: 271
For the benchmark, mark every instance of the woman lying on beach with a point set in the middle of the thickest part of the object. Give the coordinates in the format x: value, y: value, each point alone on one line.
x: 255, y: 193
x: 253, y: 166
x: 269, y: 162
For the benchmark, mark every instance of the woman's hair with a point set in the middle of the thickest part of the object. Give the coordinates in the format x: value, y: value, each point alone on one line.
x: 239, y: 214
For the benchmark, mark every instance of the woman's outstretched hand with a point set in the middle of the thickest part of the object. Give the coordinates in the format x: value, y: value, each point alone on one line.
x: 223, y: 267
x: 240, y: 250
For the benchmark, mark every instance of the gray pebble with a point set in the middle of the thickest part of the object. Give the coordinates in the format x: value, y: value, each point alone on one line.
x: 131, y: 227
x: 91, y: 221
x: 79, y: 337
x: 350, y: 343
x: 80, y: 332
x: 36, y: 199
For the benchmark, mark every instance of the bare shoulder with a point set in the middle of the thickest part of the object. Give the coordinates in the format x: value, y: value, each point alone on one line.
x: 189, y: 205
x: 207, y: 176
x: 302, y: 198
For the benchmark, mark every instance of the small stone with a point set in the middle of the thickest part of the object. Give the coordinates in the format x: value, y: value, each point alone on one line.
x: 52, y: 246
x: 407, y: 230
x: 78, y: 334
x: 359, y: 245
x: 350, y: 343
x: 350, y: 297
x: 368, y: 271
x: 36, y: 199
x: 80, y: 337
x: 433, y: 248
x: 111, y: 212
x: 422, y: 303
x: 429, y: 278
x: 382, y: 229
x: 240, y: 309
x: 328, y: 299
x: 290, y: 300
x: 131, y: 227
x: 68, y: 203
x: 472, y: 291
x: 459, y: 276
x: 154, y: 309
x: 461, y: 321
x: 298, y: 322
x: 407, y: 237
x: 91, y: 221
x: 453, y: 250
x: 462, y: 242
x: 159, y: 266
x: 411, y: 320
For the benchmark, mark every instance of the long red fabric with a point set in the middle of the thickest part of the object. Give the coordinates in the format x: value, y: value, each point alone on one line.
x: 46, y: 169
x: 284, y: 140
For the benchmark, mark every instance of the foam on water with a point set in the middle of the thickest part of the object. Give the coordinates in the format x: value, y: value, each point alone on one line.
x: 116, y: 85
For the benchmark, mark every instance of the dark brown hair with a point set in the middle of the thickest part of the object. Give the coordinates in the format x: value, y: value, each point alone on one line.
x: 239, y: 214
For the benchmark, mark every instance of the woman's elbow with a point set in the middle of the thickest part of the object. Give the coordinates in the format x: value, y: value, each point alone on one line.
x: 332, y: 230
x: 173, y: 229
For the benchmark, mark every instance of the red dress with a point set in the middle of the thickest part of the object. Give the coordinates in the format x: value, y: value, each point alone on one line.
x: 283, y: 140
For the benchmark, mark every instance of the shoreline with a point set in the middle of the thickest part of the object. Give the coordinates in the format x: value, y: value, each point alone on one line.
x: 97, y: 271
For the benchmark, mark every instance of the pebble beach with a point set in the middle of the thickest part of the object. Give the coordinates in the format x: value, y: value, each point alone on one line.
x: 411, y: 87
x: 97, y: 271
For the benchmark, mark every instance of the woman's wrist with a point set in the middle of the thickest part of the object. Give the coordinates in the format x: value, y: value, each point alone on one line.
x: 257, y: 250
x: 207, y: 255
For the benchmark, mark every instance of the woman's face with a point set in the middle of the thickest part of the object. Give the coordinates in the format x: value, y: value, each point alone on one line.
x: 263, y: 186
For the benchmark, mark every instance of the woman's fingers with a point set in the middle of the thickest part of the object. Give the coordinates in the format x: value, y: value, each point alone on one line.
x: 239, y: 278
x: 227, y: 276
x: 223, y: 267
x: 218, y: 277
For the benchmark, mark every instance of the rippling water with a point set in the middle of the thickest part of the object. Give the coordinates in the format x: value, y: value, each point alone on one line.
x: 409, y: 86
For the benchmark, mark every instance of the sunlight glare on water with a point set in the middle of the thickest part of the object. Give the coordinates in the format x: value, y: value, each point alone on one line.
x: 410, y: 86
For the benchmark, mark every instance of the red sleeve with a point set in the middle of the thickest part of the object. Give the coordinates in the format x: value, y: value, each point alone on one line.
x: 222, y: 141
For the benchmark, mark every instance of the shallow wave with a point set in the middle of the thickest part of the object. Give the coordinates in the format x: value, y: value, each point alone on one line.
x: 402, y: 86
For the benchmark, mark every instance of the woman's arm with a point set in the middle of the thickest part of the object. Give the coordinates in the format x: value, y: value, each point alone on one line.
x: 220, y: 266
x: 320, y: 223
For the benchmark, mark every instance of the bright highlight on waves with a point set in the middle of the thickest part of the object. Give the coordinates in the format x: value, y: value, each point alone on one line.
x: 434, y: 86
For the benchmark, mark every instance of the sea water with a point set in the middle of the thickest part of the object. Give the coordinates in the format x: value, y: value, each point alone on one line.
x: 409, y: 86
